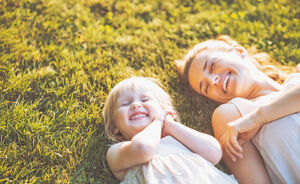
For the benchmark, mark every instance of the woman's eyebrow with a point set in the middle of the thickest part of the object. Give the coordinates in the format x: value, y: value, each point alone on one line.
x: 203, y: 69
x: 205, y: 65
x: 200, y: 86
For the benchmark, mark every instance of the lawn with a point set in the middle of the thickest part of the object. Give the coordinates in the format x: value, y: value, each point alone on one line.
x: 60, y: 58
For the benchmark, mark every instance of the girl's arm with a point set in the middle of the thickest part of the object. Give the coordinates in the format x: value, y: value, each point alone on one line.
x: 200, y: 143
x: 138, y: 150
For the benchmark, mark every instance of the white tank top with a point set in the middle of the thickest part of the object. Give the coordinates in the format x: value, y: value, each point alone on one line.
x: 279, y: 141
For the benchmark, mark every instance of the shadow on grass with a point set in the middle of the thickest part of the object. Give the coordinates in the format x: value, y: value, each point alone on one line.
x: 194, y: 110
x: 93, y: 168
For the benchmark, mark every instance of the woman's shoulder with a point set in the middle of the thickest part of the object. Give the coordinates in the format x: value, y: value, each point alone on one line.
x: 291, y: 81
x: 225, y: 113
x: 235, y: 108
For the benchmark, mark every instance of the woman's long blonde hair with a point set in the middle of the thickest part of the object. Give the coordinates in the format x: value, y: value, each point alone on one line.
x: 261, y: 60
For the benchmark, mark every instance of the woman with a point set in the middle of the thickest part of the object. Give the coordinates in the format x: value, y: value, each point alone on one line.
x: 225, y: 72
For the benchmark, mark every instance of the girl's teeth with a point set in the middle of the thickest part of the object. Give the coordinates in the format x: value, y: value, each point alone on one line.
x: 225, y: 82
x: 138, y: 116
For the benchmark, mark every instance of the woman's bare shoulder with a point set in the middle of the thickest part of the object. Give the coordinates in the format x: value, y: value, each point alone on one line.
x: 228, y: 112
x: 225, y: 113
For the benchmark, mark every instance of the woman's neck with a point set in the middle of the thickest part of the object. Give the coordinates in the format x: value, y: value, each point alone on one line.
x: 264, y: 86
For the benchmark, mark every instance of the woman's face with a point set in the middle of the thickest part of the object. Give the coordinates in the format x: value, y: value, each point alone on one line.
x: 221, y: 75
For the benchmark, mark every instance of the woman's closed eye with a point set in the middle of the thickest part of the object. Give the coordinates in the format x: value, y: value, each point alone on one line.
x: 206, y: 88
x: 212, y: 66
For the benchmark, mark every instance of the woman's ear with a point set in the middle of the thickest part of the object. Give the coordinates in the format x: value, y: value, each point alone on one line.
x: 240, y: 50
x: 179, y: 67
x: 297, y: 70
x: 116, y: 131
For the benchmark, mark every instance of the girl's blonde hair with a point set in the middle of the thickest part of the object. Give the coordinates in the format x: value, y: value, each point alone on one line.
x: 132, y: 84
x: 224, y: 43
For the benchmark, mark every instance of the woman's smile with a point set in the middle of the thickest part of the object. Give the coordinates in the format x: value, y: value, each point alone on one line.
x: 225, y: 81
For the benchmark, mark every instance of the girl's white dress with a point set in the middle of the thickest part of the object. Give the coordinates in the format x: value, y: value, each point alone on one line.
x: 173, y: 163
x: 279, y: 141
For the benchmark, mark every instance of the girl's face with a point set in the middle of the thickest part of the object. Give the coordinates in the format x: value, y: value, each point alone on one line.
x: 135, y: 110
x: 221, y: 75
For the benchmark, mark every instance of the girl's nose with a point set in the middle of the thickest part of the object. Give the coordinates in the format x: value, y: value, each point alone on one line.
x: 135, y: 105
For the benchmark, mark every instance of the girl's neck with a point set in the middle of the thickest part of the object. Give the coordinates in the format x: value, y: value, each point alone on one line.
x: 264, y: 86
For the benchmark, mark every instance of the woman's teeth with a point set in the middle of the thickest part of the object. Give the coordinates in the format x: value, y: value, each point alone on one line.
x: 138, y: 116
x: 225, y: 82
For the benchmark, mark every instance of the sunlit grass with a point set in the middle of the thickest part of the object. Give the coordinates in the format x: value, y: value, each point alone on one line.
x: 59, y: 60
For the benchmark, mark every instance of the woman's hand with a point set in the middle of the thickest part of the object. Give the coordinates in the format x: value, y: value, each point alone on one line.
x: 238, y: 132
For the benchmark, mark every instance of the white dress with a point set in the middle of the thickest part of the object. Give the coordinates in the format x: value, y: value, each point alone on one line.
x: 173, y: 163
x: 279, y: 141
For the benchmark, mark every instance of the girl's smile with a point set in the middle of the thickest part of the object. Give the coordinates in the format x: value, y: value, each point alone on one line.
x: 134, y: 110
x: 138, y: 115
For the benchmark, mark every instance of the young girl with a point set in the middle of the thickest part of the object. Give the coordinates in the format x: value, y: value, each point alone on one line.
x: 152, y: 147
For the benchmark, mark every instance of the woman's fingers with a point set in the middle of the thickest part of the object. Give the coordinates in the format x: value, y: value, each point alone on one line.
x: 233, y: 140
x: 227, y: 151
x: 231, y: 149
x: 230, y: 143
x: 232, y: 157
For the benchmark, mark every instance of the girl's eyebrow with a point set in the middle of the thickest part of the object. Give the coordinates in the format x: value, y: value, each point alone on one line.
x: 123, y: 98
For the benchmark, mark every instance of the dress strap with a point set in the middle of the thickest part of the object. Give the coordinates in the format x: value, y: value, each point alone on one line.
x: 235, y: 102
x: 243, y: 105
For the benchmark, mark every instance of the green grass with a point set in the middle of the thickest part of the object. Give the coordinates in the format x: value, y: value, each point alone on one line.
x: 60, y: 58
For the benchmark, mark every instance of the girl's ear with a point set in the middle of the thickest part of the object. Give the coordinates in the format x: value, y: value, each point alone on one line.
x: 240, y: 50
x: 180, y: 67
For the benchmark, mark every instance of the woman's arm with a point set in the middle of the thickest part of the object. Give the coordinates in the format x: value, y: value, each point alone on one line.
x: 200, y: 143
x: 286, y: 103
x: 251, y: 163
x: 138, y: 150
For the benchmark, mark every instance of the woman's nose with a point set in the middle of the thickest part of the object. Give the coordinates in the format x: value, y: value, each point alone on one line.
x: 135, y: 105
x: 214, y: 79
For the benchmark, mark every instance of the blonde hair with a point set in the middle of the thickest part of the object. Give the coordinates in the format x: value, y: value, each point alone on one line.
x: 132, y: 84
x: 224, y: 43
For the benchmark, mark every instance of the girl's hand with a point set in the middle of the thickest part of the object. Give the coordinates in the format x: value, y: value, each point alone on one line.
x: 170, y: 117
x: 237, y: 133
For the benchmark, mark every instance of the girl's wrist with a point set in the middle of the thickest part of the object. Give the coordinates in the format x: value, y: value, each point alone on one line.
x: 161, y: 118
x: 169, y: 124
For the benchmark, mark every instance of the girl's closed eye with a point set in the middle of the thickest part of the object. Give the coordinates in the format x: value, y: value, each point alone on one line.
x: 125, y: 103
x: 145, y: 99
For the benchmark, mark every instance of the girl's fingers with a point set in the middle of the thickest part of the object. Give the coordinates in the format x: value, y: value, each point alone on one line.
x: 171, y: 112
